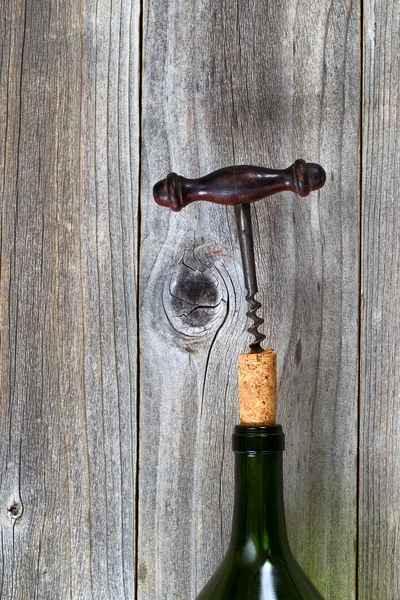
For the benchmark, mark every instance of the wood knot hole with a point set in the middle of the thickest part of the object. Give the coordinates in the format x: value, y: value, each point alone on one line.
x: 15, y: 511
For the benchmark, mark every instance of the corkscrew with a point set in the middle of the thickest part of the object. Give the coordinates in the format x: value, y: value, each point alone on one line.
x: 239, y: 186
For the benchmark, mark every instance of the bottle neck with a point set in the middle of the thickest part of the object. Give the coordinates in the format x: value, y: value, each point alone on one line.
x: 259, y: 516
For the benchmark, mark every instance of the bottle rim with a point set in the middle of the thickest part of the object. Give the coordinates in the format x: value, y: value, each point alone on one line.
x: 248, y: 439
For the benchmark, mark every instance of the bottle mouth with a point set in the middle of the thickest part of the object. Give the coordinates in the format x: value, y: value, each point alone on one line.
x: 249, y: 439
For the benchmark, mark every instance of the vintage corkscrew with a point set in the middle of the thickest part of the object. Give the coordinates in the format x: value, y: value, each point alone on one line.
x: 239, y: 186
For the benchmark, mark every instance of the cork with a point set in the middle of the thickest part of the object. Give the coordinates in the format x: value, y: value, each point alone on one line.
x: 257, y: 388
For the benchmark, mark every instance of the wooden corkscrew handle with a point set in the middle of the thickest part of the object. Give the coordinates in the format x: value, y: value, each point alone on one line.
x: 238, y: 184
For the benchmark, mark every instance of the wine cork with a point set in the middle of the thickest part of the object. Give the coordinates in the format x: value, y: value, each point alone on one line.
x: 257, y: 388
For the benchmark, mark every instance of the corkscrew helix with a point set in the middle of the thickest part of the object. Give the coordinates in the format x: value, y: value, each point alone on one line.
x: 239, y: 186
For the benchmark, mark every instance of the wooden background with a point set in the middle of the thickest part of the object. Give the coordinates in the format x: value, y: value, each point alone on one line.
x: 121, y: 322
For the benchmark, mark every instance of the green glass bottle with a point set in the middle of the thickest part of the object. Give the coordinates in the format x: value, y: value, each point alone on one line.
x: 259, y: 564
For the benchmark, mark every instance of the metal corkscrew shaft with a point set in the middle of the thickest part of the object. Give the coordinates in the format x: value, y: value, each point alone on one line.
x: 245, y: 232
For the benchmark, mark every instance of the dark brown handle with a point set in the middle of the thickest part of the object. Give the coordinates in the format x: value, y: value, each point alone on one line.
x: 239, y: 184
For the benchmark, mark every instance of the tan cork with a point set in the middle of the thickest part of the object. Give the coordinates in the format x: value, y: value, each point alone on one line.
x: 257, y: 388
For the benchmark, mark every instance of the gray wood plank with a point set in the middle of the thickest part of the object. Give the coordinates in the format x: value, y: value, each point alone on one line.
x: 379, y: 552
x: 69, y: 152
x: 260, y: 83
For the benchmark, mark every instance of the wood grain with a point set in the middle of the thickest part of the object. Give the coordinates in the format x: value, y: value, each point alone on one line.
x: 379, y: 549
x: 261, y: 84
x: 69, y: 148
x: 223, y: 83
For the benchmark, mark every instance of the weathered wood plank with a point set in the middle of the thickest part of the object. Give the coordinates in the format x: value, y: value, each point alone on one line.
x: 264, y: 84
x: 69, y: 148
x: 379, y: 548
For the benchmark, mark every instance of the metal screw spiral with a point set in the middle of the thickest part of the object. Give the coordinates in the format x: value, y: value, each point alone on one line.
x: 257, y: 321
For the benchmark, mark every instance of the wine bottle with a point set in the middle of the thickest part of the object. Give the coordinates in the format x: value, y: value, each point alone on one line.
x: 259, y: 564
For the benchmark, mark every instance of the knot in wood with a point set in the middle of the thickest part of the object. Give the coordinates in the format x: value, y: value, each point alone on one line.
x: 195, y: 300
x: 15, y: 510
